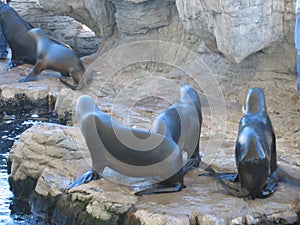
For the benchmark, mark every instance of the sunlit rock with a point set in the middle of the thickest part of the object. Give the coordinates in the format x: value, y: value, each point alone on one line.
x: 235, y: 28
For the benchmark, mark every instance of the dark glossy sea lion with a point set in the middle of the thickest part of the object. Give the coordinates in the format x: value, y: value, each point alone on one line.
x: 129, y: 151
x: 54, y: 56
x: 15, y: 30
x: 182, y: 123
x: 255, y: 153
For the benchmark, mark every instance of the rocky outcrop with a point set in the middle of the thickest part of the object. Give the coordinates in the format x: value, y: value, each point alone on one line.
x: 60, y: 152
x: 49, y: 157
x: 16, y: 96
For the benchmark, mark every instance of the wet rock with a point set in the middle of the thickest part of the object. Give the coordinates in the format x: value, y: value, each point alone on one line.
x: 56, y: 155
x: 65, y: 106
x: 18, y: 96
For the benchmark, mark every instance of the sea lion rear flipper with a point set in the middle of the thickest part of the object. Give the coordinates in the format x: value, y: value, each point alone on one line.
x: 241, y: 192
x: 192, y: 162
x: 160, y: 189
x: 233, y: 177
x: 85, y: 178
x: 284, y: 177
x: 73, y: 87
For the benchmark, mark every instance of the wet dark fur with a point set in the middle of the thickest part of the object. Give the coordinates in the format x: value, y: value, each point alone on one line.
x: 255, y: 153
x: 169, y: 123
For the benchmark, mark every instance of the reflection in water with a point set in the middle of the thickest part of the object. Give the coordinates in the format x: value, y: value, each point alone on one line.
x: 11, y: 127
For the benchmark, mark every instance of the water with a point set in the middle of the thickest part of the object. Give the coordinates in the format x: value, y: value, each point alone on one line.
x: 11, y: 127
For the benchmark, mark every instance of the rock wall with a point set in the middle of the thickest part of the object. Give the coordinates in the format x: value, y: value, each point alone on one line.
x: 233, y: 29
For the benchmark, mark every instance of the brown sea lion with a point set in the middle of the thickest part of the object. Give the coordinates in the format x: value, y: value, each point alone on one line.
x: 54, y: 56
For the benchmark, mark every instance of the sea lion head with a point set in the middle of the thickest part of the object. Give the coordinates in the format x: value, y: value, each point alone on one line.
x: 36, y: 33
x: 189, y: 95
x: 85, y: 104
x: 3, y: 8
x: 255, y: 102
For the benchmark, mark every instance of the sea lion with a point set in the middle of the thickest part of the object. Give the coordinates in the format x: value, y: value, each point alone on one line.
x: 255, y: 153
x: 129, y: 151
x: 51, y: 55
x: 182, y: 123
x: 15, y: 29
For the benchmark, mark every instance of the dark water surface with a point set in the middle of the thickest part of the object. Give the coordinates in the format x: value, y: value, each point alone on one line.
x: 11, y: 127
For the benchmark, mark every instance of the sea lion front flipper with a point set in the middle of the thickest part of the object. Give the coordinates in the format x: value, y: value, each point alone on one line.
x: 12, y: 63
x: 28, y: 79
x: 85, y: 178
x: 160, y: 189
x: 172, y: 184
x: 32, y: 75
x: 270, y: 187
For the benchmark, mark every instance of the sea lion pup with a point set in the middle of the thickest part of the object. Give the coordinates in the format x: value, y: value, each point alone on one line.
x: 54, y: 56
x: 129, y: 151
x: 182, y: 123
x: 255, y: 153
x: 15, y: 29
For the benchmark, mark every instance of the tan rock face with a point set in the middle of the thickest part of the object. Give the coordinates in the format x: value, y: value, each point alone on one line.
x: 235, y: 28
x: 140, y: 18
